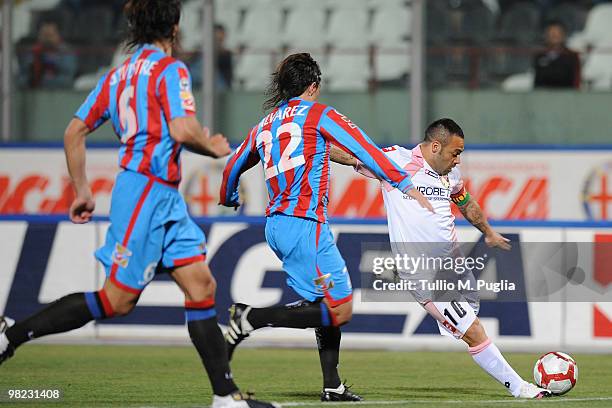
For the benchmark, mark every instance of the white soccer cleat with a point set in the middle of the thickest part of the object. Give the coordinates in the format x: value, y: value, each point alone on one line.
x: 240, y: 400
x: 6, y: 349
x: 532, y: 391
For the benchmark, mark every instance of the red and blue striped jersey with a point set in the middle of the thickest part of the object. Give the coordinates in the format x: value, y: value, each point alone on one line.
x: 293, y: 144
x: 140, y: 97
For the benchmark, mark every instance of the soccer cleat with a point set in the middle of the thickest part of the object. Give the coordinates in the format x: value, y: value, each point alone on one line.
x: 240, y: 400
x: 529, y: 390
x: 342, y: 393
x: 6, y: 349
x: 238, y: 328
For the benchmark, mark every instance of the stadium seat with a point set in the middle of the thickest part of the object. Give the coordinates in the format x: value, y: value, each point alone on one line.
x: 596, y: 30
x: 391, y: 63
x: 22, y: 16
x: 391, y: 26
x: 261, y: 28
x: 92, y: 25
x: 382, y: 4
x: 305, y: 28
x: 520, y: 25
x: 499, y: 62
x: 519, y: 82
x: 472, y: 23
x: 348, y: 28
x: 573, y: 16
x: 253, y: 70
x: 597, y: 70
x: 438, y: 22
x: 229, y: 18
x: 347, y: 72
x: 191, y: 25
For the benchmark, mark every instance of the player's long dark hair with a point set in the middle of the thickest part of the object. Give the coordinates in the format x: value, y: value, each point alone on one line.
x: 151, y: 20
x: 291, y: 78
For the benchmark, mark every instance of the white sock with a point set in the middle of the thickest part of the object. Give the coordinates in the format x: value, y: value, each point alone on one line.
x: 489, y: 358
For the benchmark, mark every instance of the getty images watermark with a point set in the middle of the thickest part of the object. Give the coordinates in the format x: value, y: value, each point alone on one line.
x: 528, y: 272
x: 411, y: 270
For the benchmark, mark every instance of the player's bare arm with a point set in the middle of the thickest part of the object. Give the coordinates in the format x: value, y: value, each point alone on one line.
x: 83, y: 205
x: 473, y: 213
x: 188, y: 131
x: 339, y: 156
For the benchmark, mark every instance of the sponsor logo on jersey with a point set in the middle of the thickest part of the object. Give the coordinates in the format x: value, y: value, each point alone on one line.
x: 323, y: 283
x: 121, y: 255
x: 431, y: 173
x: 434, y: 192
x: 187, y: 101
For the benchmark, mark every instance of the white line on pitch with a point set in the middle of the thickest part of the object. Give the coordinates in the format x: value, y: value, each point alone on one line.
x: 473, y: 402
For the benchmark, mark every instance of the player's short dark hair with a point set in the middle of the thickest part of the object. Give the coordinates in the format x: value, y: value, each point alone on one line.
x: 441, y: 130
x: 151, y: 20
x: 292, y: 77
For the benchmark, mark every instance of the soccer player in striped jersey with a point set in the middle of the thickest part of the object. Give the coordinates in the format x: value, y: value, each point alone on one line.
x: 149, y: 101
x: 293, y: 144
x: 412, y: 231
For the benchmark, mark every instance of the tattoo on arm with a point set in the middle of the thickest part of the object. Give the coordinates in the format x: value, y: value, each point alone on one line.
x: 339, y: 156
x: 474, y: 214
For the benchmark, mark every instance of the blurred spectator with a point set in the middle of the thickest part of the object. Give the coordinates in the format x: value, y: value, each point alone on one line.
x: 557, y: 66
x: 224, y: 65
x: 49, y: 63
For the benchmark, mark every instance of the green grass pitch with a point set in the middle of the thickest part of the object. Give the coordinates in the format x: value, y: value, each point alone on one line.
x: 154, y: 376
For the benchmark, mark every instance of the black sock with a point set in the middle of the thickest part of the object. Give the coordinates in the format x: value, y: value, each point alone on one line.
x: 328, y: 341
x: 207, y: 338
x: 67, y: 313
x: 299, y: 315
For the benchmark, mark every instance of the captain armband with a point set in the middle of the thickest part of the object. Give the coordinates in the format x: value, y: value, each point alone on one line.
x: 461, y: 198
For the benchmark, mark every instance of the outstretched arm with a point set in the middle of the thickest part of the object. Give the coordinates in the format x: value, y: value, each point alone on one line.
x: 339, y: 130
x: 339, y: 156
x: 474, y: 214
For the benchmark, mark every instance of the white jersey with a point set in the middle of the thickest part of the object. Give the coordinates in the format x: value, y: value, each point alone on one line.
x: 408, y: 221
x: 412, y: 224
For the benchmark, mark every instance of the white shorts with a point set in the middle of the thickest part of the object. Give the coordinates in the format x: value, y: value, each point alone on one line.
x: 454, y: 318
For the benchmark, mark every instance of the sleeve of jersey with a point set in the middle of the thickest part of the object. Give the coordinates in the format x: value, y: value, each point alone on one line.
x: 94, y: 111
x: 243, y: 158
x: 459, y: 194
x: 338, y: 129
x: 174, y: 90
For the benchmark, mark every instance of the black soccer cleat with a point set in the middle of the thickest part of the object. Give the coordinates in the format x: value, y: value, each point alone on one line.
x: 6, y: 348
x: 238, y: 328
x: 342, y: 393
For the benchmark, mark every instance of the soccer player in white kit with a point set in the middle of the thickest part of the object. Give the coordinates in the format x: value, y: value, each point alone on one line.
x: 433, y: 168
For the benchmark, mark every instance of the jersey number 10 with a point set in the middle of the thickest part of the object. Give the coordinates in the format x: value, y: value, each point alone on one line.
x: 286, y: 161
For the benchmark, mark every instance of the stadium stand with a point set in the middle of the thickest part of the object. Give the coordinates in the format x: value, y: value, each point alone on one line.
x: 474, y: 43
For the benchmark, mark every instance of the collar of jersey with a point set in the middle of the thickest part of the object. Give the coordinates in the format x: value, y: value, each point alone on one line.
x: 150, y: 47
x: 416, y: 152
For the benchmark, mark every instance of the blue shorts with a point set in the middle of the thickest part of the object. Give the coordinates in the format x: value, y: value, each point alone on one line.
x: 310, y: 258
x: 149, y: 224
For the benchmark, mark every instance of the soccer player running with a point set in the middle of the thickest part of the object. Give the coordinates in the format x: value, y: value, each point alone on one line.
x: 293, y: 143
x: 433, y: 167
x: 149, y: 102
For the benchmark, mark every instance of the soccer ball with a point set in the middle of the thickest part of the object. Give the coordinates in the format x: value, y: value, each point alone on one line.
x: 556, y: 371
